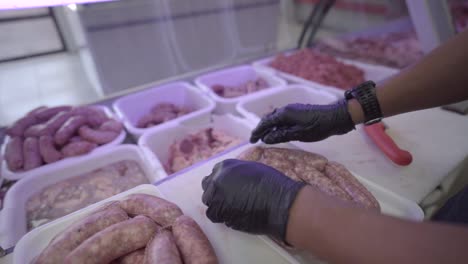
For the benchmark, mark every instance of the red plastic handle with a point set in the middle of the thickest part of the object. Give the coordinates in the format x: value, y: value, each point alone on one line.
x: 386, y: 144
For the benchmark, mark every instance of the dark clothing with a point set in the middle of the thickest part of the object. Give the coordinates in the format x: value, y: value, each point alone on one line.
x: 455, y: 210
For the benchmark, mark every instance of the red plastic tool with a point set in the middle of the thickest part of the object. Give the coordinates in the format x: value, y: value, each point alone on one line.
x: 386, y: 144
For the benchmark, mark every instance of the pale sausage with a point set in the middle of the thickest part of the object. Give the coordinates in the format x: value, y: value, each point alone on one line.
x: 162, y: 249
x: 114, y: 241
x: 161, y: 211
x: 135, y: 257
x: 73, y: 236
x: 344, y: 179
x: 193, y: 244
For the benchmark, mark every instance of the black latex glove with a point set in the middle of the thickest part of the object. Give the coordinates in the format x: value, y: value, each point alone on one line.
x: 250, y: 197
x: 304, y: 122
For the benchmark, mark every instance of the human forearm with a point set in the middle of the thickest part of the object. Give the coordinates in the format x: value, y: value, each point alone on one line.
x: 437, y: 79
x: 344, y: 234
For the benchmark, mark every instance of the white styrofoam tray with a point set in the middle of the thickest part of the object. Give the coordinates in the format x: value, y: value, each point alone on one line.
x: 371, y: 72
x: 255, y: 107
x: 234, y: 77
x: 132, y: 107
x: 13, y: 222
x: 11, y: 175
x: 230, y: 246
x: 156, y: 143
x: 185, y: 189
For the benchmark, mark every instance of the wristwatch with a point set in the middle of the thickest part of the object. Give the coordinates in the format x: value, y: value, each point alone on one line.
x: 366, y: 96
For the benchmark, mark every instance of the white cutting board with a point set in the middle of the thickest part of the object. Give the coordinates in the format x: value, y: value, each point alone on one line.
x: 185, y: 190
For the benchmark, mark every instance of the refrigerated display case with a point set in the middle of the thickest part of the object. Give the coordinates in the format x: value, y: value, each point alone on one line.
x: 165, y: 61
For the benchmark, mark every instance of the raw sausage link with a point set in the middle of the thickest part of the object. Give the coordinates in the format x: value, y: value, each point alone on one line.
x: 161, y: 211
x: 251, y: 154
x: 193, y: 245
x: 135, y: 257
x: 319, y: 180
x: 77, y: 148
x: 73, y: 236
x: 14, y: 154
x: 47, y: 149
x: 343, y: 178
x: 299, y: 157
x: 162, y: 249
x: 21, y: 125
x: 68, y: 129
x: 113, y: 242
x: 47, y: 113
x: 111, y: 125
x: 96, y: 136
x: 32, y: 157
x: 50, y: 127
x: 94, y: 115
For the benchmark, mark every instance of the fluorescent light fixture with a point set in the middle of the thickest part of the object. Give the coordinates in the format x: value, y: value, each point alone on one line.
x: 17, y: 4
x: 72, y: 7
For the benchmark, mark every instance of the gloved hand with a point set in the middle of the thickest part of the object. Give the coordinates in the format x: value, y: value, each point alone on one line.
x: 303, y: 122
x: 250, y: 197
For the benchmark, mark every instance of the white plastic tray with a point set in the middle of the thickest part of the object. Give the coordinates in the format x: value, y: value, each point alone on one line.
x: 233, y: 77
x: 255, y: 107
x: 10, y: 175
x: 230, y: 246
x: 156, y: 143
x: 185, y: 189
x: 132, y: 107
x: 371, y: 72
x: 13, y: 215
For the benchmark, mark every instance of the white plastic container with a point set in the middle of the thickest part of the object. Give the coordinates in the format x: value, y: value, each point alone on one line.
x: 132, y: 107
x: 185, y: 190
x: 10, y: 175
x: 156, y: 143
x: 13, y: 222
x: 255, y: 107
x: 234, y: 77
x: 371, y: 72
x: 230, y: 246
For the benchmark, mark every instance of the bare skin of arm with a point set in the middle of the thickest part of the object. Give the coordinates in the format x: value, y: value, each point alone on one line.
x: 340, y: 233
x: 437, y: 79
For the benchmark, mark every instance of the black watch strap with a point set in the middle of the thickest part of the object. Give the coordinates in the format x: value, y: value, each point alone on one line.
x: 366, y: 96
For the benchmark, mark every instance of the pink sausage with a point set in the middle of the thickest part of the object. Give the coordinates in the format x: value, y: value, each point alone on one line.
x: 96, y: 136
x: 95, y: 116
x: 68, y: 129
x: 111, y: 125
x: 47, y: 149
x: 19, y: 127
x: 32, y: 156
x: 77, y: 148
x: 48, y: 113
x: 50, y: 127
x: 14, y: 154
